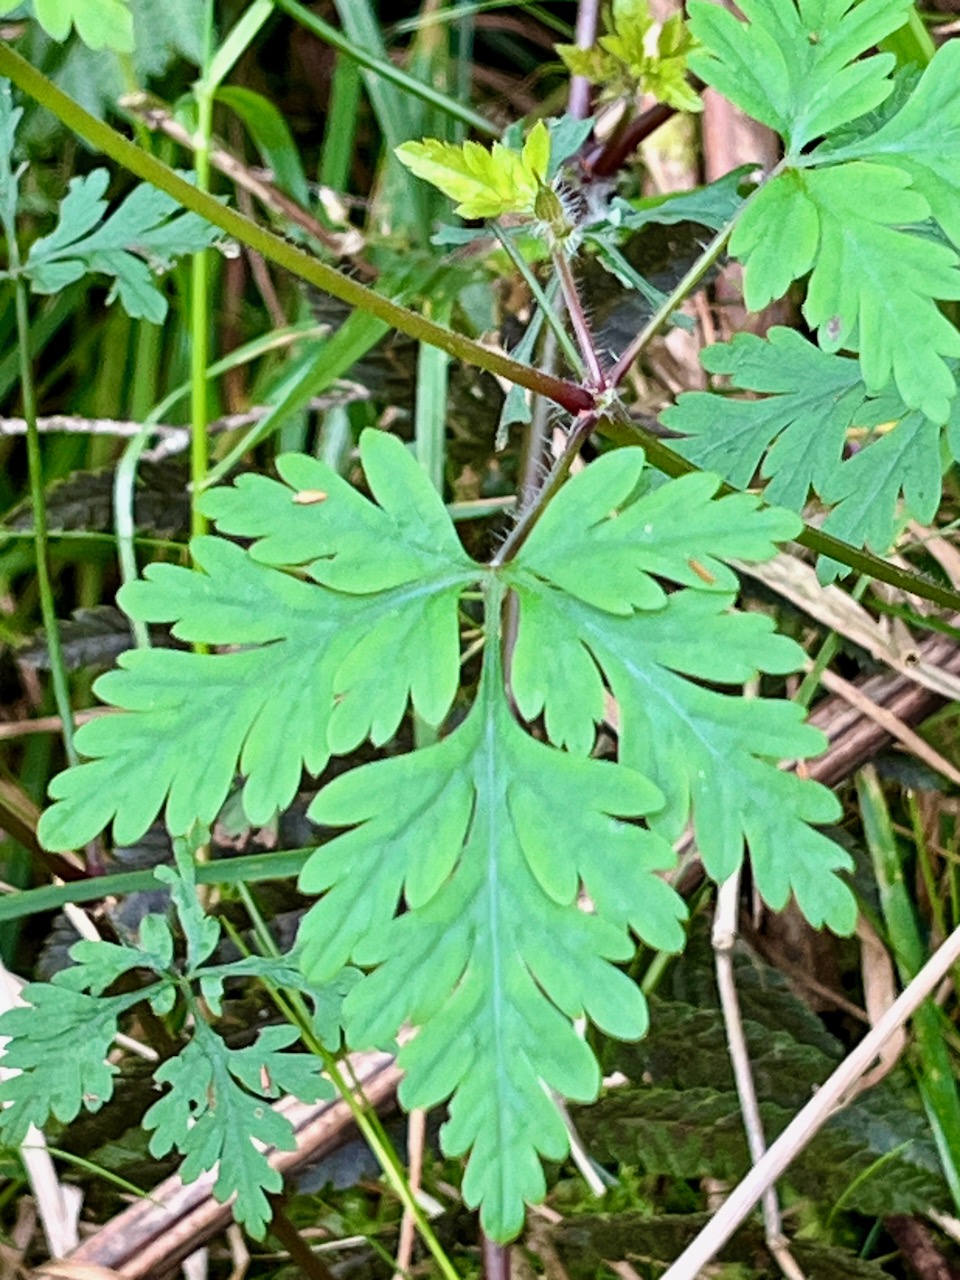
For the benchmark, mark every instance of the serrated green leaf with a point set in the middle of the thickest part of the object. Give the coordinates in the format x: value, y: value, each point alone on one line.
x: 146, y: 233
x: 98, y: 964
x: 922, y: 139
x: 851, y: 222
x: 216, y: 1110
x: 100, y: 24
x: 318, y: 520
x: 713, y: 755
x: 793, y: 65
x: 58, y: 1044
x: 798, y: 431
x: 585, y: 595
x: 323, y: 670
x: 602, y: 546
x: 492, y: 958
x: 486, y: 183
x: 201, y: 932
x: 865, y: 489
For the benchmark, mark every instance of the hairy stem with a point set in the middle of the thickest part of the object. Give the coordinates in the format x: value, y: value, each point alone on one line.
x: 685, y: 286
x: 558, y: 473
x: 274, y: 248
x: 553, y: 319
x: 578, y: 318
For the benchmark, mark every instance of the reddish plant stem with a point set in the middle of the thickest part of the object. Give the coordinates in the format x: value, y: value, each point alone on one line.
x: 496, y: 1259
x: 578, y: 319
x: 580, y: 98
x: 611, y: 157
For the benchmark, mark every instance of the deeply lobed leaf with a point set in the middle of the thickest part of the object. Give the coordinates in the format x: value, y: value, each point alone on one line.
x: 797, y: 431
x: 215, y: 1112
x: 847, y: 224
x: 148, y: 231
x: 323, y: 670
x: 796, y: 436
x: 492, y: 958
x: 793, y: 64
x: 58, y: 1044
x: 601, y: 543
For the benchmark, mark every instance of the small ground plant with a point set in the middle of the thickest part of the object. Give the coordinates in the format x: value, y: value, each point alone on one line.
x: 487, y: 887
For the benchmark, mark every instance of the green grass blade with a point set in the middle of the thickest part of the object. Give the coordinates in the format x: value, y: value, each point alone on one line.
x: 381, y: 65
x: 249, y: 869
x: 936, y: 1078
x: 336, y: 156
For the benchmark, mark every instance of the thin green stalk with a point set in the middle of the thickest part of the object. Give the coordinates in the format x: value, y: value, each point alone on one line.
x: 548, y: 19
x: 558, y: 473
x: 685, y: 286
x: 292, y: 1006
x: 336, y: 154
x: 48, y: 609
x: 200, y: 290
x: 542, y: 301
x: 277, y: 250
x: 250, y: 868
x: 828, y: 651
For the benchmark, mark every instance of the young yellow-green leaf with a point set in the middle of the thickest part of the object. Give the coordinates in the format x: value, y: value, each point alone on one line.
x: 101, y: 24
x: 594, y: 64
x: 486, y: 183
x: 621, y: 63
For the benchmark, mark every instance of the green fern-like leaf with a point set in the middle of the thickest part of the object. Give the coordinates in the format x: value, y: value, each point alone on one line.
x: 712, y: 755
x: 216, y: 1110
x: 797, y: 431
x: 922, y: 139
x: 847, y: 225
x: 147, y: 231
x: 796, y: 436
x: 458, y: 884
x: 59, y: 1046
